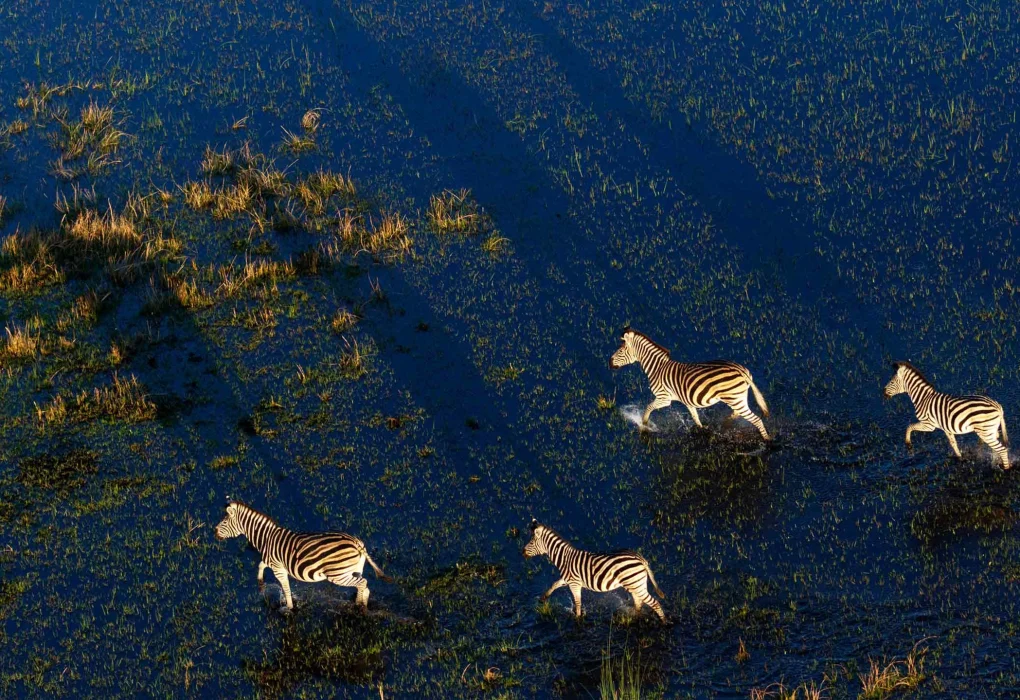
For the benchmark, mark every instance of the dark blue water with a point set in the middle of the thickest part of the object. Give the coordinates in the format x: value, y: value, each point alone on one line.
x: 629, y: 154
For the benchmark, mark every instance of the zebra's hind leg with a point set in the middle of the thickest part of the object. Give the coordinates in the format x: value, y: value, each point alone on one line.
x: 991, y: 438
x: 642, y: 597
x: 952, y: 443
x: 740, y: 407
x: 575, y: 590
x: 353, y: 579
x: 695, y: 416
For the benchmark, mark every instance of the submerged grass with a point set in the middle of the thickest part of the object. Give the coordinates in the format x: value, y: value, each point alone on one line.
x: 123, y: 399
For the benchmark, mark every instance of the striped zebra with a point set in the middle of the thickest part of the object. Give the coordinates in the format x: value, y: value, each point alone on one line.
x: 695, y: 385
x: 953, y: 415
x: 595, y: 572
x: 307, y: 556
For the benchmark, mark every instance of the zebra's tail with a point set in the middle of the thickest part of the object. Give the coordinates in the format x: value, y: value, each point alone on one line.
x: 759, y: 398
x: 1002, y: 426
x: 378, y: 572
x: 651, y: 577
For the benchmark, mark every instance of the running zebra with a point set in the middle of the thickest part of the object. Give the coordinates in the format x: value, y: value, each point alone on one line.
x: 307, y: 556
x: 595, y: 572
x: 695, y: 385
x: 953, y: 415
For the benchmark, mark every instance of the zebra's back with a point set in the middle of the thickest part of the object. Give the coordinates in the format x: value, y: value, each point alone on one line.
x: 702, y: 384
x: 605, y: 572
x: 317, y: 556
x: 963, y: 414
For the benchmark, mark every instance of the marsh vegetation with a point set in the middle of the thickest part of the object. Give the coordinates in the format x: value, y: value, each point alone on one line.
x: 363, y: 264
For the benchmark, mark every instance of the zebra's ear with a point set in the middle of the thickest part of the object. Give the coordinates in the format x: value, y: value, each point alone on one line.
x: 534, y: 525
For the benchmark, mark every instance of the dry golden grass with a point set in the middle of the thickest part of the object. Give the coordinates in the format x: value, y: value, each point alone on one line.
x: 260, y: 320
x: 455, y: 212
x: 297, y: 143
x: 22, y: 342
x: 109, y: 232
x: 18, y: 126
x: 880, y: 681
x: 343, y: 320
x: 219, y: 163
x: 84, y: 310
x: 37, y: 97
x: 254, y: 272
x: 391, y: 236
x: 495, y: 244
x: 778, y: 691
x: 81, y: 199
x: 93, y: 136
x: 353, y: 360
x: 124, y: 399
x: 262, y: 175
x: 29, y: 263
x: 198, y: 195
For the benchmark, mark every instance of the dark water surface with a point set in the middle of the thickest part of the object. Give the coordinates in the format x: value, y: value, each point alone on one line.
x: 810, y: 190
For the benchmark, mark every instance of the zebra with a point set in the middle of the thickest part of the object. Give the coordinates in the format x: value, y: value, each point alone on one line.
x: 695, y: 385
x: 595, y: 572
x: 953, y: 415
x: 307, y: 556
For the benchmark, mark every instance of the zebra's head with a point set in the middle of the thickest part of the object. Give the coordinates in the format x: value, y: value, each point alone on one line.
x: 896, y: 385
x: 230, y: 526
x: 536, y: 546
x: 625, y: 355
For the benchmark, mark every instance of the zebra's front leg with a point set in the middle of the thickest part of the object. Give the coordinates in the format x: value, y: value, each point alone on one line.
x: 575, y: 590
x: 952, y: 443
x: 659, y: 402
x: 262, y: 580
x: 920, y: 427
x: 281, y: 576
x: 695, y: 416
x: 552, y: 589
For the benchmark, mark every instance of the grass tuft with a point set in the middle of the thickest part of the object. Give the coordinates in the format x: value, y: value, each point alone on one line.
x: 880, y: 681
x: 123, y: 399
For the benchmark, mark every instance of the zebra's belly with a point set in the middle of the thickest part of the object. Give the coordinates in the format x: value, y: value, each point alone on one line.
x: 704, y: 403
x: 606, y: 587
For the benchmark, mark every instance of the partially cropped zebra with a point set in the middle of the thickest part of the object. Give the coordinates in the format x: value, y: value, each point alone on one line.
x: 695, y: 385
x: 953, y: 415
x: 595, y: 572
x: 307, y: 556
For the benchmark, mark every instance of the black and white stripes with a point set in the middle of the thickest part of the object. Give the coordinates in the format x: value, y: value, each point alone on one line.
x: 595, y: 572
x: 953, y: 415
x: 307, y: 556
x: 695, y: 385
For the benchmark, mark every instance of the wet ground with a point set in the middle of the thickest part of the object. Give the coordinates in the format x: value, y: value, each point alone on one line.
x: 810, y: 191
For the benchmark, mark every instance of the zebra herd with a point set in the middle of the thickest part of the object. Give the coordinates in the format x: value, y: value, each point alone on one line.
x: 340, y: 558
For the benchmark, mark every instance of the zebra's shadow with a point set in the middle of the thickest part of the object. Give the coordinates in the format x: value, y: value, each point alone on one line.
x: 330, y: 638
x: 705, y: 474
x: 961, y: 498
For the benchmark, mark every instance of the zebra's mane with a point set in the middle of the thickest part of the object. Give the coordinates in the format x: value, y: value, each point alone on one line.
x: 549, y: 531
x: 254, y: 511
x: 648, y: 340
x: 915, y: 370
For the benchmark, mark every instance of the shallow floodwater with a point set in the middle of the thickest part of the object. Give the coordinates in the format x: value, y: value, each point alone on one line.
x: 813, y: 191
